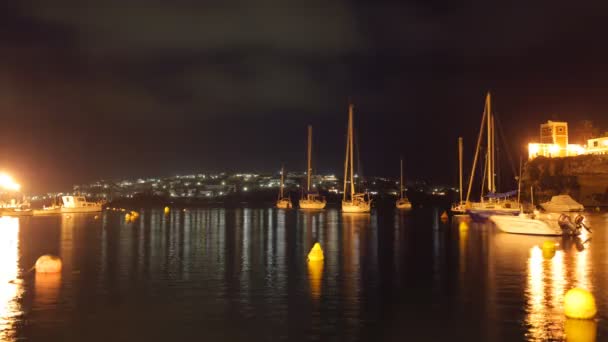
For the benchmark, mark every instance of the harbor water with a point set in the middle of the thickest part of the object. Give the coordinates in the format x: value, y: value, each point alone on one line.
x: 242, y: 275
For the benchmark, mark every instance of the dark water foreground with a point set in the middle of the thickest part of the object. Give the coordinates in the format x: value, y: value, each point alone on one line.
x: 218, y: 274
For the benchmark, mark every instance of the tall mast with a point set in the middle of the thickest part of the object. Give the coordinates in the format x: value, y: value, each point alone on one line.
x: 401, y: 180
x: 490, y: 167
x: 282, y: 182
x: 346, y: 155
x: 460, y: 167
x: 352, y: 162
x: 309, y: 169
x: 479, y: 137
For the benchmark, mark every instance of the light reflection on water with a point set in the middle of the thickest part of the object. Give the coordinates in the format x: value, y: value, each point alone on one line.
x: 10, y: 287
x: 242, y: 274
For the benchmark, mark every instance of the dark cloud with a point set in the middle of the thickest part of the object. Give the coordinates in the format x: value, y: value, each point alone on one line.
x: 119, y: 88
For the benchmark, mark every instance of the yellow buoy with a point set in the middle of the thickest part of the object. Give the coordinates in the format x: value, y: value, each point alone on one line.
x: 167, y: 210
x: 580, y: 304
x: 580, y: 330
x: 548, y: 249
x: 444, y: 216
x: 316, y: 253
x: 48, y: 264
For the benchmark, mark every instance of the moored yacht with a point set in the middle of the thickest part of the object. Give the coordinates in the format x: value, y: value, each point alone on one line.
x: 283, y: 202
x: 352, y: 202
x: 403, y: 202
x: 311, y: 200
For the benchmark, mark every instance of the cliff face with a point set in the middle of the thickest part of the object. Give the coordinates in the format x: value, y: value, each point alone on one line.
x: 585, y: 178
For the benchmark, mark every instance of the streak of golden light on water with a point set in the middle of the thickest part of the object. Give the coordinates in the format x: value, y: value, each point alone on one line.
x: 11, y: 288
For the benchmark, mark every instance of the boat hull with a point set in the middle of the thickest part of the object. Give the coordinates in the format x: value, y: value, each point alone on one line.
x: 356, y: 207
x: 559, y: 208
x: 45, y: 212
x: 522, y: 224
x: 15, y: 212
x: 284, y: 204
x: 403, y: 204
x: 312, y: 204
x: 87, y: 209
x: 482, y: 215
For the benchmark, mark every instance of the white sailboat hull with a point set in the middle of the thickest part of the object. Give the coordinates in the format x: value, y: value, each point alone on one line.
x: 523, y: 224
x: 312, y: 204
x: 284, y: 204
x: 356, y: 206
x: 403, y: 203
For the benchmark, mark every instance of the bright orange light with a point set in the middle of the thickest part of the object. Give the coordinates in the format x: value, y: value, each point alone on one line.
x: 533, y: 150
x: 8, y: 183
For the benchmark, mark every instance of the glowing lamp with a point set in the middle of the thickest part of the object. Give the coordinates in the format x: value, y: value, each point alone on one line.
x: 167, y: 210
x: 580, y: 304
x: 533, y: 150
x: 553, y: 149
x: 48, y: 264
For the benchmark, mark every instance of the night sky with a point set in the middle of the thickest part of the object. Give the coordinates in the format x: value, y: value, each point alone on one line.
x: 114, y: 88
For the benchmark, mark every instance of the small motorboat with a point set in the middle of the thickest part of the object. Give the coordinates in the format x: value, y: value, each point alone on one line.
x: 562, y: 203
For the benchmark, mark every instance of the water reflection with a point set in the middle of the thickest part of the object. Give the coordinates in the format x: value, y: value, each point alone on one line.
x: 11, y: 288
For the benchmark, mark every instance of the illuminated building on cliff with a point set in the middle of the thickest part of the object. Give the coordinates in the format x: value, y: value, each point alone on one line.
x: 554, y: 142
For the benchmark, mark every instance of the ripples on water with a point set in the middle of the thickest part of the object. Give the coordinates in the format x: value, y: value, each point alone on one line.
x: 221, y: 274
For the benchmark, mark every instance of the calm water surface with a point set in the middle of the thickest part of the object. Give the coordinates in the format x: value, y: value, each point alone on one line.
x: 241, y: 274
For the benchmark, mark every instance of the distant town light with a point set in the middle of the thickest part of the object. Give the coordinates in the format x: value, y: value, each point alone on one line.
x: 244, y: 188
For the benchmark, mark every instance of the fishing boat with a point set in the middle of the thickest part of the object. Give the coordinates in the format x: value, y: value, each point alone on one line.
x: 492, y: 203
x: 311, y: 200
x: 540, y: 224
x: 352, y: 202
x: 562, y: 203
x: 79, y: 204
x: 283, y: 202
x: 403, y: 202
x: 460, y: 207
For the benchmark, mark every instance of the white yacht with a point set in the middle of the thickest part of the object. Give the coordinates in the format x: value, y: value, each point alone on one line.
x: 562, y: 203
x: 312, y: 200
x: 540, y: 224
x: 79, y: 204
x: 352, y: 202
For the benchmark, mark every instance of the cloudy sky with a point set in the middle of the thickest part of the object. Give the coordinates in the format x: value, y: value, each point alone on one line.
x: 109, y: 89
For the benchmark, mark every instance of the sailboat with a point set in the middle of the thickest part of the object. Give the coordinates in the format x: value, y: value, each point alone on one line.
x: 352, y: 202
x: 283, y: 202
x: 495, y: 204
x: 461, y: 207
x: 402, y: 202
x: 312, y: 200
